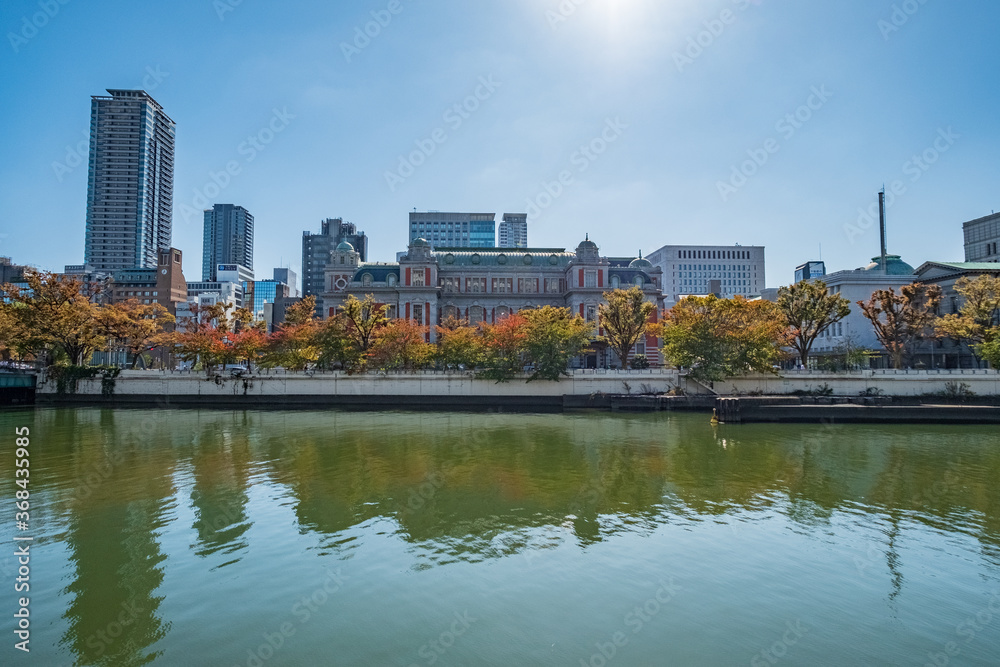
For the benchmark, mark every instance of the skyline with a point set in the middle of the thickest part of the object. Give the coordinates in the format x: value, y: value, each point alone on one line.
x: 633, y: 122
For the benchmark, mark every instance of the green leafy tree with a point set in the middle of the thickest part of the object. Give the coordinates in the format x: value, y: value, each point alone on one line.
x: 363, y: 317
x: 553, y: 337
x: 809, y: 310
x: 336, y: 346
x: 978, y: 320
x: 625, y: 317
x: 718, y: 338
x: 901, y: 320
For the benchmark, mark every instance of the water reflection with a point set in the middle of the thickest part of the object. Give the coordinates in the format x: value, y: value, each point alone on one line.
x: 470, y: 488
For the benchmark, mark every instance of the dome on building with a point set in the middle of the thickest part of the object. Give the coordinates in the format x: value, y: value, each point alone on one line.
x: 587, y: 244
x: 894, y: 264
x: 345, y: 247
x: 640, y: 263
x: 423, y: 243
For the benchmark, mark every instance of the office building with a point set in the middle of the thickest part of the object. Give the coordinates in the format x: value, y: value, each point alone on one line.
x: 689, y: 270
x: 982, y: 239
x: 261, y: 292
x: 290, y: 278
x: 454, y: 230
x: 809, y: 271
x: 131, y: 181
x: 429, y: 286
x: 513, y: 232
x: 164, y: 284
x: 316, y: 249
x: 10, y: 272
x: 228, y: 239
x: 945, y: 352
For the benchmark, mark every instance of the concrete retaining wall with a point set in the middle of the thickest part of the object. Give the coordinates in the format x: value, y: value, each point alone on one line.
x: 429, y: 389
x: 890, y: 382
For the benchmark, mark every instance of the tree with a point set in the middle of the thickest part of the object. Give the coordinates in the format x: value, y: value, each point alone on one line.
x: 135, y: 325
x: 717, y: 338
x: 54, y: 313
x: 503, y: 347
x: 809, y: 310
x: 459, y: 345
x: 553, y: 337
x: 977, y: 321
x: 363, y: 319
x: 401, y: 344
x: 294, y: 344
x: 624, y: 317
x: 335, y: 344
x: 13, y: 341
x: 904, y: 319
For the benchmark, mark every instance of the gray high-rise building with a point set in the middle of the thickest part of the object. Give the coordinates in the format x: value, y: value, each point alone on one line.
x: 513, y: 232
x: 130, y: 188
x: 454, y: 230
x: 316, y: 249
x: 228, y: 239
x: 982, y: 239
x: 290, y: 278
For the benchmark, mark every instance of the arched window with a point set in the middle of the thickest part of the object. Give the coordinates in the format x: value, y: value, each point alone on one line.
x: 615, y: 282
x: 640, y: 281
x: 476, y: 315
x: 366, y: 280
x: 391, y: 280
x: 502, y: 311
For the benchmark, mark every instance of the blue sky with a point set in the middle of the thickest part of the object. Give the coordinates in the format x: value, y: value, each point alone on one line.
x: 666, y: 121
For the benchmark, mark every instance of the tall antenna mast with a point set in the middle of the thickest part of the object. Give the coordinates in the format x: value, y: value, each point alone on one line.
x: 881, y: 224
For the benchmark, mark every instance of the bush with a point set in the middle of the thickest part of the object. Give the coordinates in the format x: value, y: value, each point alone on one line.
x: 640, y: 362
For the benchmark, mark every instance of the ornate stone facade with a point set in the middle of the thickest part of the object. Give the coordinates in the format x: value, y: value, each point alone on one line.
x: 483, y: 285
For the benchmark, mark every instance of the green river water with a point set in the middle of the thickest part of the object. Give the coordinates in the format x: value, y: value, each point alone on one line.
x: 261, y: 538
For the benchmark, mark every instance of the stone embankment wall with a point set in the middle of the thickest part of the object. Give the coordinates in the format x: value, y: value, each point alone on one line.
x: 888, y: 382
x: 385, y: 391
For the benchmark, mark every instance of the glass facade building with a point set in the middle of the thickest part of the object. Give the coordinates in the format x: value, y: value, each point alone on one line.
x: 228, y: 239
x: 454, y: 230
x: 130, y: 184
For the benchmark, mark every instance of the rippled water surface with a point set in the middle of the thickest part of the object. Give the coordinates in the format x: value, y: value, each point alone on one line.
x: 325, y: 538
